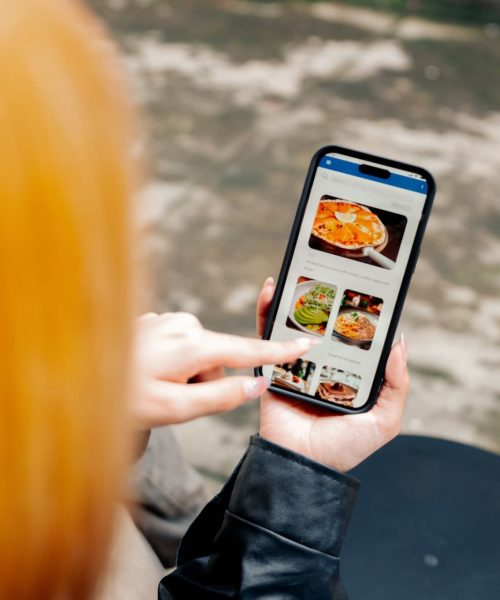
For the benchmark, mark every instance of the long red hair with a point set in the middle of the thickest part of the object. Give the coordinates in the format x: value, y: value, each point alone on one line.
x: 66, y: 181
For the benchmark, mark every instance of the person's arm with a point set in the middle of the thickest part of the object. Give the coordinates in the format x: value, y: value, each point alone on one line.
x: 274, y: 531
x: 277, y: 528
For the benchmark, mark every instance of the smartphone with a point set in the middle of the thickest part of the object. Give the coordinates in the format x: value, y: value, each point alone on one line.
x: 347, y: 268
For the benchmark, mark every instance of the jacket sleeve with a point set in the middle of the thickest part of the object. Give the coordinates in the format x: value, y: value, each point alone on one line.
x: 274, y: 532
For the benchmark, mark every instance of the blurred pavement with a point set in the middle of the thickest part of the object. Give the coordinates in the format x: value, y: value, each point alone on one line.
x: 238, y: 95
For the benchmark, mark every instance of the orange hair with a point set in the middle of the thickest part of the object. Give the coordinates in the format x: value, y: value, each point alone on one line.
x: 66, y: 181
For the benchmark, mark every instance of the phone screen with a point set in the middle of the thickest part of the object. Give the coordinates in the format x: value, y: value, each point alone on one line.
x: 356, y: 238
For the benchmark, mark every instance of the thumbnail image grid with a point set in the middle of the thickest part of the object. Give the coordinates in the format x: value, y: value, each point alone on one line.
x: 337, y: 386
x: 357, y: 319
x: 311, y: 306
x: 295, y: 376
x: 357, y: 231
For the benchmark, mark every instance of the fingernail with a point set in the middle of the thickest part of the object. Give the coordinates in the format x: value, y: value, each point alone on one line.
x: 269, y: 281
x: 306, y: 343
x: 404, y: 348
x: 255, y: 387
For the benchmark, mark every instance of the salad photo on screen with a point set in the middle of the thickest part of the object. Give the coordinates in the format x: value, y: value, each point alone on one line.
x: 311, y: 306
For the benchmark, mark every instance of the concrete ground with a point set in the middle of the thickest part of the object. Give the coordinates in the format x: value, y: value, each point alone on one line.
x: 237, y: 95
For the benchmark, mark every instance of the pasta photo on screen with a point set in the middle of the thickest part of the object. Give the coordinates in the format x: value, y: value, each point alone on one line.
x: 357, y: 319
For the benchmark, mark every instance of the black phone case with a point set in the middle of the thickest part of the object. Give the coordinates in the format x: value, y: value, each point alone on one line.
x: 412, y: 261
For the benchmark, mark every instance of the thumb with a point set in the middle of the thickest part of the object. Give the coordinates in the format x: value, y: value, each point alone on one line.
x: 397, y: 379
x: 177, y: 402
x: 392, y: 397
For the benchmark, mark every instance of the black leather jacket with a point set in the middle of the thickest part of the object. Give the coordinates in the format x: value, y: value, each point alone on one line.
x: 274, y: 532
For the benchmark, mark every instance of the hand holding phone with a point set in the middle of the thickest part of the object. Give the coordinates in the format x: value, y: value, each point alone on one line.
x: 337, y: 441
x: 347, y: 268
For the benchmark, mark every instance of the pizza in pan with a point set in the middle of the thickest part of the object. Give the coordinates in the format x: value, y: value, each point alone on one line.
x: 348, y: 225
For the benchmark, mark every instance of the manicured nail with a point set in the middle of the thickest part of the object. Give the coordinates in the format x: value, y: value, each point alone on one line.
x: 269, y: 281
x: 404, y: 348
x: 255, y: 387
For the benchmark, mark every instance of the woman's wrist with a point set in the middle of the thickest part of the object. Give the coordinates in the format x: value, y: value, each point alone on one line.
x: 293, y: 441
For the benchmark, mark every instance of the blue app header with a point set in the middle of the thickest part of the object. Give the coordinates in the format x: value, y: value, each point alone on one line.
x: 413, y: 184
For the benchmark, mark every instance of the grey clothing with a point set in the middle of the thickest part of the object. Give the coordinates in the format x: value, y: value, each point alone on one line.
x: 168, y: 494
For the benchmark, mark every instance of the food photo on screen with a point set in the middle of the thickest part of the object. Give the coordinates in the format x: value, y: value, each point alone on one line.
x: 337, y: 386
x: 357, y: 231
x: 311, y: 306
x: 295, y: 376
x: 357, y: 319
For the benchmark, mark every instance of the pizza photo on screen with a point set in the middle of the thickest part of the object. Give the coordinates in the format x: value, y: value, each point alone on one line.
x: 357, y: 231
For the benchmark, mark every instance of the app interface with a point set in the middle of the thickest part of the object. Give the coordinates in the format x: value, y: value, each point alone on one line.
x: 344, y: 278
